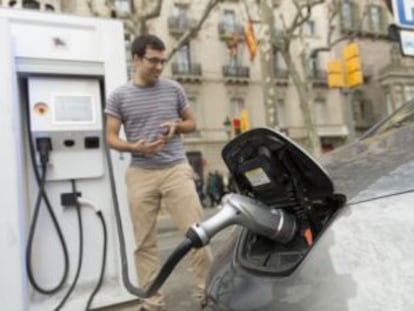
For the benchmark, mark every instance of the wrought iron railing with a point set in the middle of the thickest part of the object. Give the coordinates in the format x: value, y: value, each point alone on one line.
x: 191, y: 69
x: 281, y: 73
x: 236, y: 71
x: 228, y: 31
x: 178, y: 25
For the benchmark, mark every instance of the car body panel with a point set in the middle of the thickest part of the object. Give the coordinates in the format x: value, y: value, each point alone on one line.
x: 365, y: 268
x: 364, y: 257
x: 358, y: 167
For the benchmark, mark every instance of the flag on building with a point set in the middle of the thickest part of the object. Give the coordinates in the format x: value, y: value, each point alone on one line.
x: 250, y: 40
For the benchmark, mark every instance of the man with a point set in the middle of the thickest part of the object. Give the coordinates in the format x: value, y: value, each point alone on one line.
x: 154, y: 112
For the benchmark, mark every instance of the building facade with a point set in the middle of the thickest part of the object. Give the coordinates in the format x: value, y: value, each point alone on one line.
x: 221, y: 80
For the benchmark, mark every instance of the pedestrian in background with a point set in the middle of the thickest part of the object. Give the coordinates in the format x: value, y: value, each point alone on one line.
x: 212, y: 189
x: 154, y: 112
x: 220, y: 185
x: 199, y: 187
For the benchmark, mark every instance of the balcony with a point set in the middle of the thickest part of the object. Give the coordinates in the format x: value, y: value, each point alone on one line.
x: 376, y: 33
x: 184, y: 3
x: 319, y: 78
x: 392, y: 71
x: 178, y: 25
x: 186, y: 72
x: 281, y: 76
x: 236, y: 74
x: 230, y: 31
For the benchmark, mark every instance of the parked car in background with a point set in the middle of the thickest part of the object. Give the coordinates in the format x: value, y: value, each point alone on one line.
x: 358, y: 204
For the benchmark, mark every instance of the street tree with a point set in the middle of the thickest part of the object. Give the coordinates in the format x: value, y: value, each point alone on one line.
x: 301, y: 72
x: 138, y: 16
x: 290, y: 41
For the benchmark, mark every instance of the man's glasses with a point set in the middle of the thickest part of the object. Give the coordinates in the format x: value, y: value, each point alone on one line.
x: 155, y: 60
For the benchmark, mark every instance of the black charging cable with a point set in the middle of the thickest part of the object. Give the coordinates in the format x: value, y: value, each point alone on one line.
x: 80, y: 255
x: 44, y: 146
x: 104, y: 250
x: 103, y: 265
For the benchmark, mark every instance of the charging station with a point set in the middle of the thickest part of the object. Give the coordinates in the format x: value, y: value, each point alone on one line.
x: 56, y: 73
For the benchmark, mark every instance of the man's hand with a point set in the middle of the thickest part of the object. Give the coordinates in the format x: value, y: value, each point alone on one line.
x: 170, y: 127
x: 145, y: 147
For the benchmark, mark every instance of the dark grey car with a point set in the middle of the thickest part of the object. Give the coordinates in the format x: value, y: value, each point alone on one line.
x: 361, y: 256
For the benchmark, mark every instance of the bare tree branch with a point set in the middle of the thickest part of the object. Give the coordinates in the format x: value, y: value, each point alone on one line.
x: 129, y: 26
x: 135, y: 20
x: 156, y: 11
x: 249, y: 15
x: 116, y: 13
x: 301, y: 18
x: 329, y: 46
x: 334, y: 10
x: 284, y: 25
x: 193, y: 30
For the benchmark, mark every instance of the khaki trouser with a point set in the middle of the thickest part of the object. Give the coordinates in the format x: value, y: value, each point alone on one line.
x: 175, y: 186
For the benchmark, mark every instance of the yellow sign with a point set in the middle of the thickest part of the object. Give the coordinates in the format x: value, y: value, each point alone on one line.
x: 351, y: 51
x: 335, y: 66
x: 353, y: 66
x: 354, y: 79
x: 335, y: 74
x: 244, y: 121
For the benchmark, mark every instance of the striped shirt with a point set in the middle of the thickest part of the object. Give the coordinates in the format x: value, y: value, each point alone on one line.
x: 142, y: 109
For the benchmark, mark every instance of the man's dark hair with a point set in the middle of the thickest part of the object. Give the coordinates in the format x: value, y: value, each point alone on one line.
x: 141, y: 43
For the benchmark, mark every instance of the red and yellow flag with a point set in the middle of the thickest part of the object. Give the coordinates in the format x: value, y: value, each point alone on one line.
x: 250, y: 40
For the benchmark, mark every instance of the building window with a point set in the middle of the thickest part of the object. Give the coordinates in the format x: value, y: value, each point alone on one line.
x: 279, y: 61
x: 183, y: 58
x: 346, y: 14
x: 276, y: 60
x: 236, y: 106
x: 180, y: 12
x: 408, y: 92
x: 123, y: 6
x: 363, y: 110
x: 229, y: 20
x: 314, y: 66
x: 235, y: 53
x: 375, y: 18
x: 309, y: 28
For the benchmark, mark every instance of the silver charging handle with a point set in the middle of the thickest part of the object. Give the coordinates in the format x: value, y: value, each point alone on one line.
x: 236, y: 209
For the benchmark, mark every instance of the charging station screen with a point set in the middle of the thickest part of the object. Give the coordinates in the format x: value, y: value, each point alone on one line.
x: 73, y: 108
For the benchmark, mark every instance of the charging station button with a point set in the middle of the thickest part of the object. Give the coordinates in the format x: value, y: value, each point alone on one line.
x: 92, y: 142
x: 41, y: 108
x: 69, y: 142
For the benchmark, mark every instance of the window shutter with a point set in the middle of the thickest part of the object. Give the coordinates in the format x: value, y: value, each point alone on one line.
x: 384, y: 21
x: 341, y: 16
x: 356, y: 18
x: 370, y: 19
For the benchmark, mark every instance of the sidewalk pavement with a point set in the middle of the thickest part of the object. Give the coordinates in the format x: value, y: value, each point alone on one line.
x: 166, y: 224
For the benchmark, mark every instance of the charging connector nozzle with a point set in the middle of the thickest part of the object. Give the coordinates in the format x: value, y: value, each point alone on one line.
x: 44, y: 145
